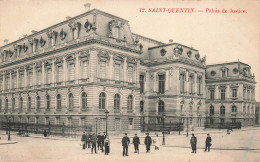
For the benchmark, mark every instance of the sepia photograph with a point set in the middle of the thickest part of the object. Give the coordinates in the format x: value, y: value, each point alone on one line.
x: 135, y: 81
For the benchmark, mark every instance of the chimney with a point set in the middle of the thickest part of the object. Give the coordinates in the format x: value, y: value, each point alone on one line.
x: 68, y: 17
x: 33, y: 31
x: 5, y: 41
x: 87, y: 6
x: 170, y: 41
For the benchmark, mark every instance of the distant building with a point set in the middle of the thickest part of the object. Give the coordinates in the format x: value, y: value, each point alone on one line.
x: 257, y: 113
x: 73, y: 71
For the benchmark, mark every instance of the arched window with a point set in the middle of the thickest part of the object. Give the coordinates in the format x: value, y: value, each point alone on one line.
x: 48, y: 102
x: 130, y: 102
x: 141, y: 106
x: 117, y: 101
x: 211, y: 110
x: 71, y: 101
x: 234, y: 109
x: 84, y: 100
x: 58, y: 101
x: 0, y: 104
x: 21, y: 103
x: 38, y: 102
x: 102, y: 101
x: 6, y: 104
x: 13, y: 104
x: 222, y: 110
x: 160, y: 106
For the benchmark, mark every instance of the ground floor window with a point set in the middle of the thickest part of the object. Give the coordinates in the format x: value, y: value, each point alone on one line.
x: 222, y: 121
x: 131, y: 123
x: 211, y: 121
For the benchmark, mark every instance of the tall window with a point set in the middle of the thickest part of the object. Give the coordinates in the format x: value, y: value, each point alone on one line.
x: 38, y: 101
x: 29, y: 103
x: 182, y: 83
x: 48, y: 102
x: 71, y: 101
x: 117, y: 72
x: 117, y: 101
x: 141, y: 81
x: 199, y: 85
x: 59, y: 74
x: 223, y: 94
x: 21, y: 80
x: 71, y: 71
x: 244, y: 109
x: 14, y: 81
x: 212, y: 94
x: 21, y: 103
x: 102, y: 69
x: 223, y: 73
x: 252, y: 110
x: 0, y: 104
x: 234, y: 109
x: 161, y: 83
x: 191, y: 84
x: 58, y: 101
x: 244, y: 93
x: 211, y: 110
x: 84, y: 100
x: 102, y: 101
x: 234, y: 93
x: 222, y: 110
x: 7, y: 82
x: 248, y: 110
x: 48, y: 76
x: 130, y: 74
x: 6, y: 104
x: 30, y: 78
x: 130, y: 102
x: 84, y: 69
x: 39, y: 77
x: 161, y: 106
x: 141, y: 106
x: 13, y: 104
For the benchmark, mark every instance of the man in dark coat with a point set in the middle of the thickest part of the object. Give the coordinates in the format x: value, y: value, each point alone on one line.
x: 148, y: 142
x: 193, y: 142
x: 208, y: 143
x: 99, y: 141
x: 88, y: 140
x: 94, y: 143
x: 83, y: 140
x: 103, y: 141
x: 136, y: 142
x: 125, y: 143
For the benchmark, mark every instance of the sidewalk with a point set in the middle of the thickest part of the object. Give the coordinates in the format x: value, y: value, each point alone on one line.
x: 4, y: 142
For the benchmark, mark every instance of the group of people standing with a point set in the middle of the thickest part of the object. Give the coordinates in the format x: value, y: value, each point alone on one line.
x: 193, y: 142
x: 92, y: 141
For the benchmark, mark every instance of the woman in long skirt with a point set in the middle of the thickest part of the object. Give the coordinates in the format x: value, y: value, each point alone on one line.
x: 107, y: 145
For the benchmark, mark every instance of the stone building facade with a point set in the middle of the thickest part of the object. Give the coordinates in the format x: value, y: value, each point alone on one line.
x: 73, y: 71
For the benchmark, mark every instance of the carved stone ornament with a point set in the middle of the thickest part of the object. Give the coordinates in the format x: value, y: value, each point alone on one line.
x: 88, y: 26
x: 62, y: 34
x: 203, y: 59
x: 197, y: 56
x: 25, y: 48
x: 42, y: 42
x: 136, y: 40
x: 141, y: 47
x: 10, y: 53
x: 178, y: 50
x: 189, y: 53
x: 212, y: 73
x: 163, y: 52
x: 235, y: 70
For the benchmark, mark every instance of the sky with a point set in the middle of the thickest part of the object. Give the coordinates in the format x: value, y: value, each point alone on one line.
x: 222, y: 37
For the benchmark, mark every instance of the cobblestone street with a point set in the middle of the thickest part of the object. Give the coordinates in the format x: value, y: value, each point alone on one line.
x: 239, y: 146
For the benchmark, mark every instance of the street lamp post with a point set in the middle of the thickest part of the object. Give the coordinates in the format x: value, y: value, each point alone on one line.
x: 187, y: 127
x: 106, y: 112
x: 163, y: 143
x: 9, y: 137
x: 96, y: 124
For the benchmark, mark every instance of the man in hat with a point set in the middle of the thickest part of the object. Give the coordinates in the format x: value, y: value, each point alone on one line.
x: 94, y: 143
x: 148, y: 142
x: 136, y: 142
x: 193, y: 142
x: 99, y: 142
x: 83, y: 140
x: 125, y: 143
x: 208, y: 143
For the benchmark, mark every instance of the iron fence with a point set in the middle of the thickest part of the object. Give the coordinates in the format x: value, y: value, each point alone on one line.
x: 166, y: 127
x: 224, y: 125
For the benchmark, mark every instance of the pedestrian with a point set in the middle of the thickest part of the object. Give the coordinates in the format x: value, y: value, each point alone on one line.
x: 103, y: 140
x: 193, y: 142
x: 136, y: 142
x: 228, y: 132
x: 148, y: 142
x: 94, y: 143
x: 208, y: 143
x: 99, y: 140
x: 107, y: 145
x: 83, y: 140
x: 157, y: 142
x: 125, y: 144
x: 88, y: 140
x: 45, y: 133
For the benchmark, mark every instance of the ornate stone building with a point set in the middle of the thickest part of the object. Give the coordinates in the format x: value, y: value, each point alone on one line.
x: 230, y: 93
x: 73, y: 71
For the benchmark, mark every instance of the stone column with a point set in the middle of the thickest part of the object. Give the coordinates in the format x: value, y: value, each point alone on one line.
x: 17, y: 78
x: 125, y: 70
x: 155, y: 82
x: 186, y: 88
x: 77, y: 67
x: 166, y: 80
x: 3, y: 86
x: 196, y: 83
x: 43, y: 74
x: 53, y: 71
x: 10, y: 81
x: 64, y: 69
x: 217, y: 93
x: 25, y: 77
x: 137, y: 73
x: 228, y: 92
x: 34, y: 76
x: 111, y: 65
